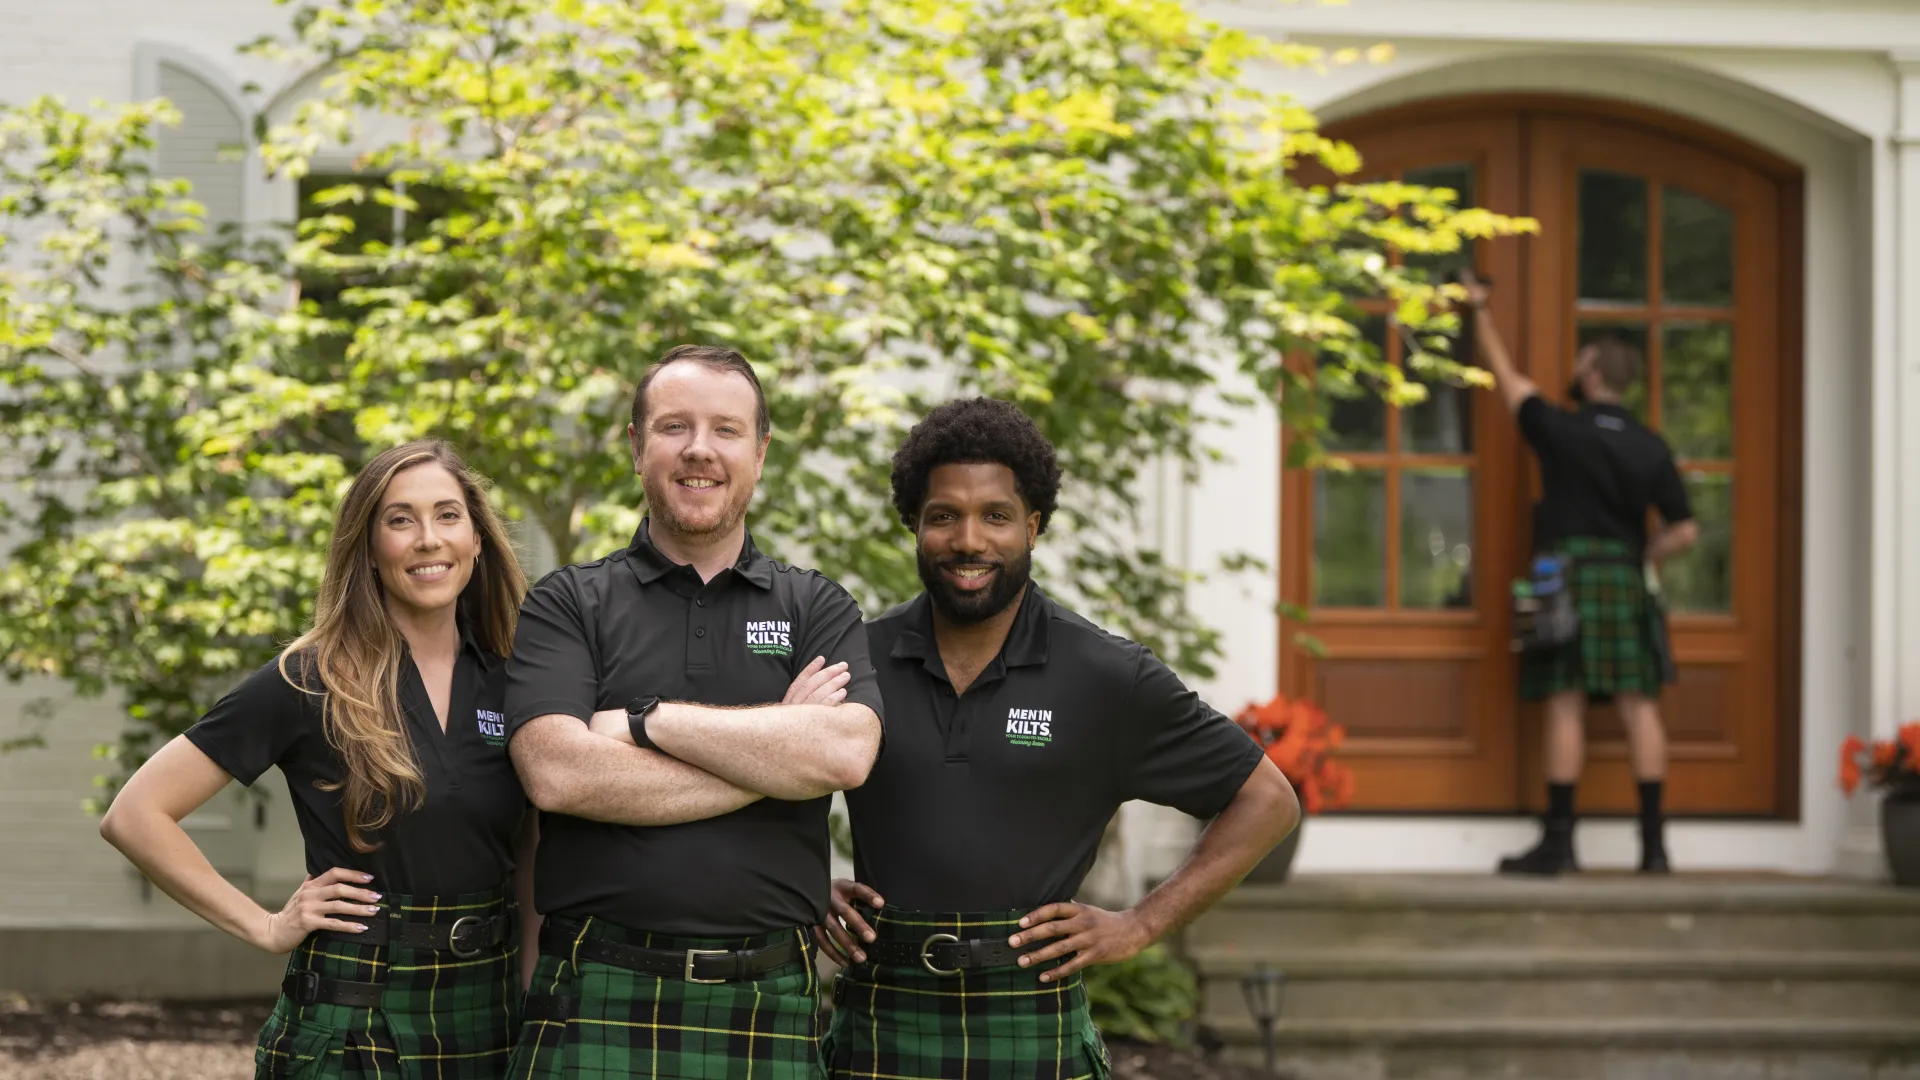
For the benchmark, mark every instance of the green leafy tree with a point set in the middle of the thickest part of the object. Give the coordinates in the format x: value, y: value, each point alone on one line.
x: 1081, y: 206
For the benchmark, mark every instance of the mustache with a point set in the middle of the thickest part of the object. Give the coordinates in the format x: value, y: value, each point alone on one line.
x: 953, y: 563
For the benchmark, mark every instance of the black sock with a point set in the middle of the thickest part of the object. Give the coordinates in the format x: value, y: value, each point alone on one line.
x: 1650, y: 817
x: 1560, y: 802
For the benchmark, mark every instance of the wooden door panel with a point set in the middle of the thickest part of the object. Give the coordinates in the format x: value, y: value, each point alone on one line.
x: 1419, y: 684
x: 1722, y: 716
x: 1426, y: 684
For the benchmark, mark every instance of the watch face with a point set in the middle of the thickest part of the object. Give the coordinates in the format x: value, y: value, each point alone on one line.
x: 641, y: 706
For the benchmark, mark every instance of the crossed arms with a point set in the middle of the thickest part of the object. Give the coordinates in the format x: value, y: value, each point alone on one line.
x: 715, y: 760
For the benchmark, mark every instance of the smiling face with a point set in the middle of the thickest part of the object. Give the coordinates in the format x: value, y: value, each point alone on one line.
x: 699, y: 456
x: 976, y: 535
x: 424, y: 542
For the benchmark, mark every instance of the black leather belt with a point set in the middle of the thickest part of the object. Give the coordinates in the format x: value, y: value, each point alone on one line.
x: 465, y: 937
x: 308, y: 988
x: 945, y: 954
x: 693, y: 965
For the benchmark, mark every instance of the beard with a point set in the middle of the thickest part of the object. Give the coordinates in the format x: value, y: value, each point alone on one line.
x: 968, y: 608
x: 730, y: 514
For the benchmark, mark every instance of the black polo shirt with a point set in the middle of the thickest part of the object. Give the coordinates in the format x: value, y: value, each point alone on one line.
x: 1600, y: 469
x: 459, y: 840
x: 597, y: 635
x: 997, y: 799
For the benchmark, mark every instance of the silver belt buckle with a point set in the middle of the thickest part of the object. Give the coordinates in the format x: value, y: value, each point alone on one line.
x: 453, y: 938
x: 692, y: 953
x: 926, y: 959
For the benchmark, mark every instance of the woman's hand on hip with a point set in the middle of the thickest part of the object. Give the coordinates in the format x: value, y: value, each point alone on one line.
x: 332, y: 901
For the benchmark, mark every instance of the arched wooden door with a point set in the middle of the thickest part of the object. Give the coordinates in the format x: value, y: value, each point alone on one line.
x: 1681, y: 240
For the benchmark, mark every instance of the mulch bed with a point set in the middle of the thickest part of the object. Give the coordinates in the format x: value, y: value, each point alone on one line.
x: 129, y: 1040
x: 213, y: 1040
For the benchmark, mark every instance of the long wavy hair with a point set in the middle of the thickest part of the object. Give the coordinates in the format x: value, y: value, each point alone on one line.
x: 351, y: 657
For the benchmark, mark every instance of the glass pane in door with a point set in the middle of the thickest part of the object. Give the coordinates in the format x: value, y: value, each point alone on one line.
x: 1696, y: 249
x: 1696, y: 388
x: 1613, y: 238
x: 1442, y: 424
x: 1700, y: 580
x: 1356, y: 416
x: 1349, y: 530
x: 1436, y: 538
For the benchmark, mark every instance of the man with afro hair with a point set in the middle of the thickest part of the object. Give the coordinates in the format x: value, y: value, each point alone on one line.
x: 1016, y: 731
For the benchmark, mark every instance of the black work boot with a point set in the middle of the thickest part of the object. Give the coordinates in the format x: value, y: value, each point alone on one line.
x: 1552, y: 855
x: 1653, y: 830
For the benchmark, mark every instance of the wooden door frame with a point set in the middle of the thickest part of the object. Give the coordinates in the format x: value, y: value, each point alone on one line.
x: 1789, y: 179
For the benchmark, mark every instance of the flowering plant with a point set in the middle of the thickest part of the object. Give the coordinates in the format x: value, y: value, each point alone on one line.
x: 1887, y: 763
x: 1300, y: 739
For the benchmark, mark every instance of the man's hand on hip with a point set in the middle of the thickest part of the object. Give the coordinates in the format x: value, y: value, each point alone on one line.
x: 1094, y: 936
x: 844, y: 931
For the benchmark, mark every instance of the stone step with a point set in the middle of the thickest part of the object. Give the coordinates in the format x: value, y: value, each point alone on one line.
x: 1644, y: 1049
x: 1680, y: 913
x: 1334, y: 984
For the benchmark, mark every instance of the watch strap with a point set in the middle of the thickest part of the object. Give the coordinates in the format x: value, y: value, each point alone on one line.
x: 637, y: 713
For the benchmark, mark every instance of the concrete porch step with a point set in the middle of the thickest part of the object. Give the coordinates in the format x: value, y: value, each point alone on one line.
x: 1596, y: 982
x: 1684, y: 912
x: 1641, y: 1049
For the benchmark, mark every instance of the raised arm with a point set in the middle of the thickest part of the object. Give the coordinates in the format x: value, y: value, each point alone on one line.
x: 567, y: 769
x: 1514, y: 387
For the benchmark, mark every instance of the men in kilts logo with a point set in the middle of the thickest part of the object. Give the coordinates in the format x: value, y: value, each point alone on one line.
x: 1017, y: 730
x: 683, y: 853
x: 1600, y: 472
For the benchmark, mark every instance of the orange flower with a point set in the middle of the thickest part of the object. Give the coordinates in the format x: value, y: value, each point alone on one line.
x: 1884, y: 755
x: 1850, y: 752
x: 1298, y: 738
x: 1882, y: 763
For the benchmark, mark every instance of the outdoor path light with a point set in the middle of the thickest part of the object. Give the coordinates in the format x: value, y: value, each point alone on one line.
x: 1263, y: 990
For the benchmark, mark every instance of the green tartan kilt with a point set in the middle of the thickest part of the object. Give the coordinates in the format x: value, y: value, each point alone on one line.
x: 1621, y: 628
x: 441, y: 1018
x: 591, y: 1021
x: 903, y: 1022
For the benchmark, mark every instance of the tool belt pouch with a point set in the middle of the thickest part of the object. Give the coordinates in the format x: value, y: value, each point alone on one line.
x: 1544, y: 615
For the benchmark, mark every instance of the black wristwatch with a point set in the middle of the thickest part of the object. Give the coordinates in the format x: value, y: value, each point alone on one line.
x: 637, y: 712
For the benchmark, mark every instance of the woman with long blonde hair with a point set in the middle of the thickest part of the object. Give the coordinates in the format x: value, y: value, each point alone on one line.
x: 385, y: 718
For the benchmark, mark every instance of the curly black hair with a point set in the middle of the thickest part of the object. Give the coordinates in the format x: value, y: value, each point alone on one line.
x: 974, y: 432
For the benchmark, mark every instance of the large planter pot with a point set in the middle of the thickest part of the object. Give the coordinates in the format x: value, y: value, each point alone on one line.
x: 1278, y: 864
x: 1900, y: 836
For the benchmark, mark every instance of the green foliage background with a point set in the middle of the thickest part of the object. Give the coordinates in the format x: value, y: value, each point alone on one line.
x: 1152, y: 997
x: 1079, y: 205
